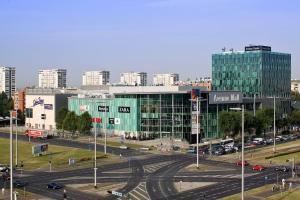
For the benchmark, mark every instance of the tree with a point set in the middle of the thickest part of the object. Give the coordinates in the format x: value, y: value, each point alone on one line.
x: 263, y: 120
x: 61, y: 115
x: 230, y: 123
x: 21, y: 117
x: 6, y: 104
x: 70, y: 122
x: 84, y: 123
x: 295, y: 118
x: 295, y: 96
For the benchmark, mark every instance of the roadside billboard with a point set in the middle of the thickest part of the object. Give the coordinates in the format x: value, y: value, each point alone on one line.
x: 39, y: 149
x: 195, y: 93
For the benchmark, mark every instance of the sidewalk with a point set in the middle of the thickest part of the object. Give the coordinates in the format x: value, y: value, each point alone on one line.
x: 269, y: 193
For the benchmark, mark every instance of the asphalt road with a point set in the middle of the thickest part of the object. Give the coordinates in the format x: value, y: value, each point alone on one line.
x: 151, y: 176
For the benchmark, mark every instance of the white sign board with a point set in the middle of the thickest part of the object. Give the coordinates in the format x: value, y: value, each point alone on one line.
x: 117, y: 121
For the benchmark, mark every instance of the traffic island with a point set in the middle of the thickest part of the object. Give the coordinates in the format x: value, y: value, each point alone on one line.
x: 181, y: 186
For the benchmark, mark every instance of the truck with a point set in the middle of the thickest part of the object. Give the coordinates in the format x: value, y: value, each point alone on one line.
x: 34, y: 133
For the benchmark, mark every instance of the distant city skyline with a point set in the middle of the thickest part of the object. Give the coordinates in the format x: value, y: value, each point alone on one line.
x: 154, y: 36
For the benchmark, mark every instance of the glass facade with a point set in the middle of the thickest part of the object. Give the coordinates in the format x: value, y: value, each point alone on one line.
x: 263, y: 73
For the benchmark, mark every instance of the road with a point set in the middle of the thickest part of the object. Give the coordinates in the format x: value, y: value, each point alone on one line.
x: 152, y: 176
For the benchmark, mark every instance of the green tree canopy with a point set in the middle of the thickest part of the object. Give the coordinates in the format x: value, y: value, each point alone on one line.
x: 61, y: 115
x: 6, y: 104
x: 84, y: 123
x: 70, y: 122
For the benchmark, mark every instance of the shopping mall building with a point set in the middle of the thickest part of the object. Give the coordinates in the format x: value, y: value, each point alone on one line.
x: 159, y: 111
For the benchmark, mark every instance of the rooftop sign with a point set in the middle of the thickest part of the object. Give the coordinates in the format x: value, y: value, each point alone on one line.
x: 257, y: 48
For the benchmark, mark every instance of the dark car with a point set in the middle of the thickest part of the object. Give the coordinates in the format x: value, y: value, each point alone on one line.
x: 20, y: 184
x: 219, y: 151
x: 6, y: 176
x: 282, y: 169
x: 54, y: 186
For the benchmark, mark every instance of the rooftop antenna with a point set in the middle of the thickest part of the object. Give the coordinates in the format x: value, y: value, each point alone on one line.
x: 224, y: 49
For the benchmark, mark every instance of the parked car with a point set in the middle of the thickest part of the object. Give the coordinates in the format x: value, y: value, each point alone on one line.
x: 219, y: 151
x: 229, y: 149
x: 258, y: 141
x: 282, y: 168
x: 4, y: 168
x: 54, y: 186
x: 268, y: 141
x: 239, y: 163
x: 258, y: 168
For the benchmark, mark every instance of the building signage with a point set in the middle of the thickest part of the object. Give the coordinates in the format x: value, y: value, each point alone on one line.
x: 258, y: 48
x: 123, y: 109
x: 111, y: 120
x: 117, y: 121
x: 225, y: 97
x: 83, y: 108
x: 97, y: 120
x: 48, y: 106
x: 195, y: 93
x: 103, y: 108
x: 38, y: 101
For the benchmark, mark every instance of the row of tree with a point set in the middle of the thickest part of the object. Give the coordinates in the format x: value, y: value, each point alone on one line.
x: 69, y: 121
x: 231, y: 122
x: 6, y: 104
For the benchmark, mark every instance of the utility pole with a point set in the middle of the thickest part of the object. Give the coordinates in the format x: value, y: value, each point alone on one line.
x: 254, y: 106
x: 95, y: 148
x: 16, y: 137
x: 11, y: 156
x: 274, y: 147
x: 243, y: 166
x: 105, y: 138
x: 197, y: 121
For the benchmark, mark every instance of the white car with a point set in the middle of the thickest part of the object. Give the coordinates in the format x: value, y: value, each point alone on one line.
x: 123, y: 147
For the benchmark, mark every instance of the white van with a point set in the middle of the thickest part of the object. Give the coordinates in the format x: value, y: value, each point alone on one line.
x: 258, y: 140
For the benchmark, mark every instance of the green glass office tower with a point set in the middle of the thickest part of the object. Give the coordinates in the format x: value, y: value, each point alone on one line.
x: 255, y: 71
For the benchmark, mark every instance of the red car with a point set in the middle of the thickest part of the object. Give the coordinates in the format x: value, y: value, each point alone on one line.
x: 239, y: 163
x: 258, y: 167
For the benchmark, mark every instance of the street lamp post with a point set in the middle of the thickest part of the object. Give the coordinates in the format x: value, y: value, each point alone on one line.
x: 274, y: 147
x: 11, y: 156
x: 197, y: 121
x: 16, y: 137
x: 243, y: 143
x: 95, y: 155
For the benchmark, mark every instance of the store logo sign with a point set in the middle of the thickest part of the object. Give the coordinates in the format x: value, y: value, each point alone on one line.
x: 123, y: 109
x: 38, y: 101
x: 103, y: 109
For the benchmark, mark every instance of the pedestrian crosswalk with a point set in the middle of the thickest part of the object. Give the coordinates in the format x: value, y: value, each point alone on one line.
x: 139, y: 193
x: 154, y: 167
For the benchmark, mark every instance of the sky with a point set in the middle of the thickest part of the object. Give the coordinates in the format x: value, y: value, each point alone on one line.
x: 155, y: 36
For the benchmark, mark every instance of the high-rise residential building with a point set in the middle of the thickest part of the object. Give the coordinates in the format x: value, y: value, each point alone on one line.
x: 255, y: 71
x: 8, y: 80
x: 53, y: 78
x: 95, y: 78
x: 295, y: 85
x: 165, y: 79
x: 134, y: 78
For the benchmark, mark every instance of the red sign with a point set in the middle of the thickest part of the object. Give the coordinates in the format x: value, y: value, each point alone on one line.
x: 97, y: 120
